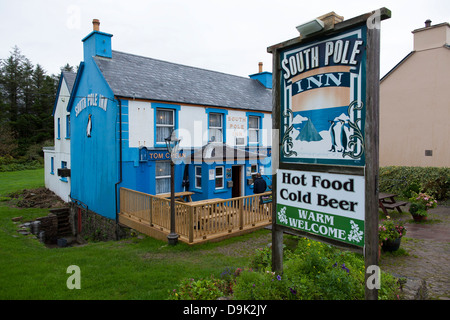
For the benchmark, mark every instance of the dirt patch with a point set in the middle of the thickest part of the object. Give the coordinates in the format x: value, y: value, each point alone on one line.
x: 244, y: 248
x: 36, y: 198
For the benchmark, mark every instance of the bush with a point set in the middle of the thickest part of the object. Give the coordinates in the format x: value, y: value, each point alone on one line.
x: 408, y: 180
x: 8, y: 163
x: 257, y: 285
x: 311, y: 271
x: 203, y: 289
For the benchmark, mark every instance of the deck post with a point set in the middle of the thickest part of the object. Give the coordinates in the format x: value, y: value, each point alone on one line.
x: 191, y: 224
x: 241, y: 214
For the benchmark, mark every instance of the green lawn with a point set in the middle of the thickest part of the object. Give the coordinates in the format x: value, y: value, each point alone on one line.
x: 127, y: 269
x: 17, y: 180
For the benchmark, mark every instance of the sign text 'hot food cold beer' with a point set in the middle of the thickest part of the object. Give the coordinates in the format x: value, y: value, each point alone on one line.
x: 327, y: 205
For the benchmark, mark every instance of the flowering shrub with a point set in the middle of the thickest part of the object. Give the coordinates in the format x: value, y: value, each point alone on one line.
x: 390, y: 230
x: 312, y: 271
x: 420, y: 203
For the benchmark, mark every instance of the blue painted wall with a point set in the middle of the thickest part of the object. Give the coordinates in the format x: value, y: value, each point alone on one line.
x: 95, y: 155
x: 94, y: 159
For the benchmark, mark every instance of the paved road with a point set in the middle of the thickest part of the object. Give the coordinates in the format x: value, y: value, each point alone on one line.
x: 428, y: 248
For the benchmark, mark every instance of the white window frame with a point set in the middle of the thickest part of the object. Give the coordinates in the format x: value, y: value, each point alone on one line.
x: 163, y: 125
x: 198, y: 176
x: 216, y: 128
x: 161, y: 177
x: 253, y: 172
x: 257, y: 129
x: 222, y: 177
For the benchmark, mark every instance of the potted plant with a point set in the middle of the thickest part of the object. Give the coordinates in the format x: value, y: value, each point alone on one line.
x: 420, y: 203
x: 390, y: 233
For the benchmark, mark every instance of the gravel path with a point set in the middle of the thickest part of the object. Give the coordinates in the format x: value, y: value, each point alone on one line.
x: 428, y: 259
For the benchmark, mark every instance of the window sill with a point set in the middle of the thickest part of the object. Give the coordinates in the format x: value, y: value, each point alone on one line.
x: 220, y: 190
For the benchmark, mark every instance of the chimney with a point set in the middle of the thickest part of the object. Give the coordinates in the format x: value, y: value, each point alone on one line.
x: 431, y: 36
x: 264, y: 77
x: 97, y: 43
x: 96, y: 24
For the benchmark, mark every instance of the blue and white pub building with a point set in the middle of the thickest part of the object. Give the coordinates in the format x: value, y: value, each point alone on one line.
x: 122, y: 108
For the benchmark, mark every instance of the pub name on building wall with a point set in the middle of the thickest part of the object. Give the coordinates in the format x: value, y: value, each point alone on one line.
x: 121, y: 109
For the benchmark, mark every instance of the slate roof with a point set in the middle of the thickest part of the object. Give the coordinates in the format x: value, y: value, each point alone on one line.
x: 140, y: 77
x: 70, y: 79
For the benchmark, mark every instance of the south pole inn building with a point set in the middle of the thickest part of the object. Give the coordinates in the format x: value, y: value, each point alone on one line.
x: 120, y: 109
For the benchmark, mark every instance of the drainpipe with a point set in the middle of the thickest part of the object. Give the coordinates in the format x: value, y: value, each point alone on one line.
x: 120, y: 158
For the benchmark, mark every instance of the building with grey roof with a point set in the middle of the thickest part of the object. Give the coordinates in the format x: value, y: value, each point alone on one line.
x: 123, y: 107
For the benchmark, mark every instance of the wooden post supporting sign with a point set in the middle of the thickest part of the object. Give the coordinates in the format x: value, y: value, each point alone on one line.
x: 325, y: 143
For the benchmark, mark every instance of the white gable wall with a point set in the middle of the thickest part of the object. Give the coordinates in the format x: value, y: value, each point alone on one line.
x: 61, y: 151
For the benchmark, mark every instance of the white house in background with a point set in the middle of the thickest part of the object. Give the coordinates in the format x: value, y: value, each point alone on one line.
x: 58, y: 157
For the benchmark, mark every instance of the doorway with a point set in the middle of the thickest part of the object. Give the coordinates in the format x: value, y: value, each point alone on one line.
x: 237, y: 178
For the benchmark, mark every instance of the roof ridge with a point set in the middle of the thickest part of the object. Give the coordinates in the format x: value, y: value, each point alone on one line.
x: 182, y: 65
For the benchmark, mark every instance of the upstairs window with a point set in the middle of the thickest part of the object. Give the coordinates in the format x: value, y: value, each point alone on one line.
x: 68, y: 127
x: 165, y: 124
x: 215, y: 127
x: 253, y: 129
x: 59, y: 129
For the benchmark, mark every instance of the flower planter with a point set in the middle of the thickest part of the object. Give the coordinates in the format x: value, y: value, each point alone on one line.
x: 418, y: 217
x: 391, y: 245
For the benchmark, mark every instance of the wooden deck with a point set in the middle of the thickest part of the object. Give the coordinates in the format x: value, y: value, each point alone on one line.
x: 196, y: 222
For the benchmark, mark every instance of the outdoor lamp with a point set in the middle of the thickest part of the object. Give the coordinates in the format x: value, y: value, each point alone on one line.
x: 310, y: 27
x: 171, y: 143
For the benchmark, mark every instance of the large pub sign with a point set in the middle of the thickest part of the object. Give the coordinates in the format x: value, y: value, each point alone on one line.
x: 325, y: 147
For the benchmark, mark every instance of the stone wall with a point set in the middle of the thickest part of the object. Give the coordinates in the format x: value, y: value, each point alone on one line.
x: 90, y: 226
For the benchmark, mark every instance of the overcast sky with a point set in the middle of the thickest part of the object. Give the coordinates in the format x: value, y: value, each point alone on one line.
x: 229, y: 36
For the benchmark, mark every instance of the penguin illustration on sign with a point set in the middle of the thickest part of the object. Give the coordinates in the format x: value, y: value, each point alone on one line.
x: 89, y: 127
x: 332, y: 135
x: 344, y: 138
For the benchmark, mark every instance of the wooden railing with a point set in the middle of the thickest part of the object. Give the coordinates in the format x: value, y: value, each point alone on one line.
x: 195, y: 221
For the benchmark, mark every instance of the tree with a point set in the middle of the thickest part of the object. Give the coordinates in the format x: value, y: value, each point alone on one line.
x: 27, y: 96
x: 67, y: 68
x: 11, y: 80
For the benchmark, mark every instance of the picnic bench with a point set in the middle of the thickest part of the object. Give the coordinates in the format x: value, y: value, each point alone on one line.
x: 387, y: 201
x: 179, y: 196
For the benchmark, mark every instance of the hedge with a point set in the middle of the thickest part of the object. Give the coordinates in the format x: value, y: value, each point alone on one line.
x: 8, y: 163
x: 403, y: 180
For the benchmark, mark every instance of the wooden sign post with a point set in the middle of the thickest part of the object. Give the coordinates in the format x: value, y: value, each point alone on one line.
x: 325, y: 143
